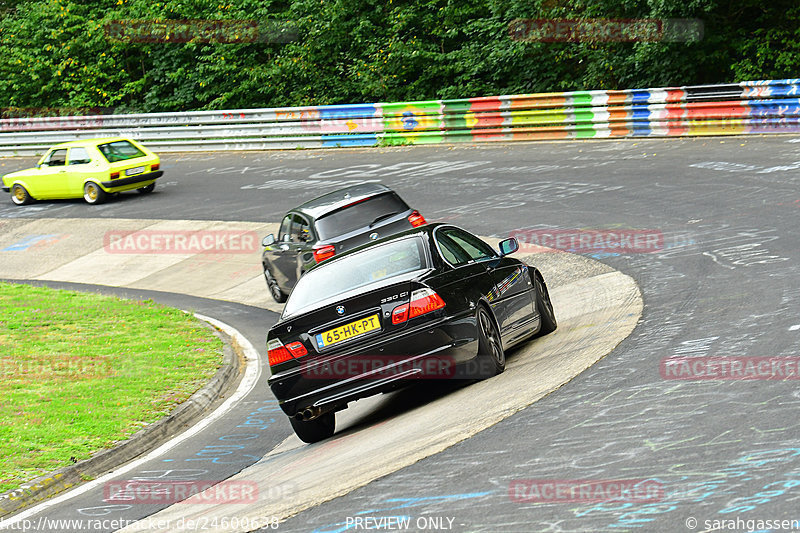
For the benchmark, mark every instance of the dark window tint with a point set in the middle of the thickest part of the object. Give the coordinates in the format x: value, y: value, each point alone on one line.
x: 119, y: 151
x: 359, y: 215
x: 452, y: 253
x: 58, y: 158
x: 459, y: 247
x: 301, y: 232
x: 79, y: 156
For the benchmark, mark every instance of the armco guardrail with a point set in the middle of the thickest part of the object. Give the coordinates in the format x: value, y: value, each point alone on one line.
x: 770, y: 106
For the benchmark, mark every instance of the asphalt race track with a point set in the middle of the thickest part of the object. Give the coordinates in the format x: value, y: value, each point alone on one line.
x: 719, y: 284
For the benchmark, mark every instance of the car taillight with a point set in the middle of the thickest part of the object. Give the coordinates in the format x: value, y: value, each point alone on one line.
x: 297, y: 349
x: 277, y: 352
x: 423, y: 301
x: 400, y: 314
x: 416, y: 219
x: 324, y: 252
x: 155, y: 167
x: 114, y: 175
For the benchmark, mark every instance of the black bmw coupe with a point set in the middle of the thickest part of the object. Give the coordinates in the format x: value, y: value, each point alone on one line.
x: 434, y: 302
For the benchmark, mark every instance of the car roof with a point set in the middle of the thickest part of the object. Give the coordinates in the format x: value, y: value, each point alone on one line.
x: 83, y: 142
x: 332, y: 201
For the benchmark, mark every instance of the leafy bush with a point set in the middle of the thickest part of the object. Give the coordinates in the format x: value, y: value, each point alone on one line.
x: 58, y: 53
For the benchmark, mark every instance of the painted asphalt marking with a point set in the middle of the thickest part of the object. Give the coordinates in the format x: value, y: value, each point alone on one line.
x: 32, y: 240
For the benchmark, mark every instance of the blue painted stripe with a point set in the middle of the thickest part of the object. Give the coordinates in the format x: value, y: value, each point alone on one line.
x: 349, y: 140
x: 347, y: 111
x: 640, y: 96
x: 640, y: 113
x: 641, y: 129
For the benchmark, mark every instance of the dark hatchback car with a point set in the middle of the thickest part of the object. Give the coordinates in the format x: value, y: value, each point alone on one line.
x: 435, y: 302
x: 329, y: 225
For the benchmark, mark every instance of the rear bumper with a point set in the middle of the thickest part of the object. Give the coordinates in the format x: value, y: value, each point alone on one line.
x: 444, y: 351
x: 133, y: 180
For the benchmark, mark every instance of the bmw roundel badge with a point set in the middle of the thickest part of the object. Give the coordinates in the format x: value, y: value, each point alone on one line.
x: 373, y: 236
x: 340, y: 309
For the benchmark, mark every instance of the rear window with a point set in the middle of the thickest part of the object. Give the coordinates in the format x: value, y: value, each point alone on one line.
x: 329, y: 281
x: 119, y: 151
x: 359, y: 215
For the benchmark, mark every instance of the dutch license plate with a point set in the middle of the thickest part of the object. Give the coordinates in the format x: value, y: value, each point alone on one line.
x: 134, y: 171
x: 348, y: 331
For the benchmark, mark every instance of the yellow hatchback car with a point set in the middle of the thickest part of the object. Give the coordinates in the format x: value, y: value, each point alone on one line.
x: 92, y: 168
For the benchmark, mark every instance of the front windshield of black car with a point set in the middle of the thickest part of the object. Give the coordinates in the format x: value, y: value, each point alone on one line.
x: 359, y: 215
x: 372, y: 265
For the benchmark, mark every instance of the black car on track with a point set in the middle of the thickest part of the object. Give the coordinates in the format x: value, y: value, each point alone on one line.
x: 329, y: 225
x: 434, y: 302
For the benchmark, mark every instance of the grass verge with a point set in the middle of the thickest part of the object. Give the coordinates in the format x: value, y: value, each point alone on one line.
x: 80, y: 372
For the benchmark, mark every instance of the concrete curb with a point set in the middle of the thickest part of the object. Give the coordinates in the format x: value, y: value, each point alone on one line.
x: 182, y: 417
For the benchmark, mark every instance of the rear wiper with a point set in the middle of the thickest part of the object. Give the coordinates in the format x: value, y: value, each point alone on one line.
x: 387, y: 215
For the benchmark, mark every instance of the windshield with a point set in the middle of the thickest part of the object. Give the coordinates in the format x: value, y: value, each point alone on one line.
x: 119, y: 151
x: 359, y: 215
x: 374, y: 264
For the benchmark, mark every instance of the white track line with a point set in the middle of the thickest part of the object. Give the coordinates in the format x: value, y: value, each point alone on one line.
x: 251, y: 375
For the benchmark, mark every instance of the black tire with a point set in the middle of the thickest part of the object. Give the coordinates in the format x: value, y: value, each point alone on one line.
x: 315, y: 430
x: 93, y: 193
x: 277, y: 294
x: 147, y: 189
x: 545, y: 308
x: 491, y: 356
x: 20, y: 195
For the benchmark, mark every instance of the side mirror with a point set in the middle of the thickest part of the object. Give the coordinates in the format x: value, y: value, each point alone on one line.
x: 269, y: 240
x: 508, y: 246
